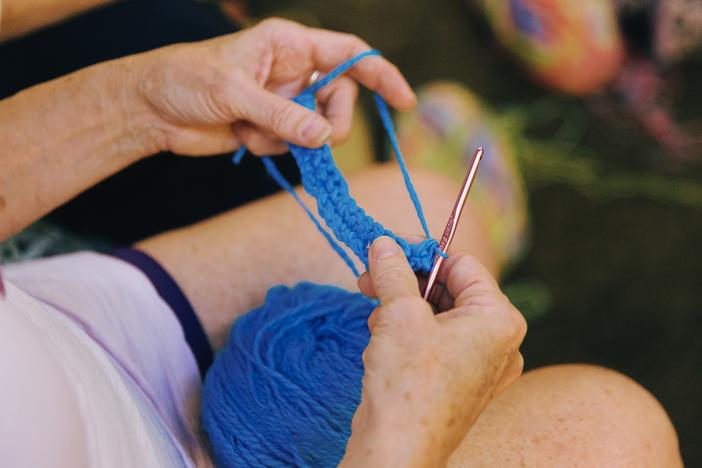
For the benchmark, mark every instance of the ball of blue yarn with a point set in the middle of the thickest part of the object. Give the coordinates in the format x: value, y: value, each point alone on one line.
x: 284, y: 389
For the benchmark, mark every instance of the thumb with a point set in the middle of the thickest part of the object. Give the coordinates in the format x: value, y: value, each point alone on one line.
x: 390, y: 272
x: 285, y: 119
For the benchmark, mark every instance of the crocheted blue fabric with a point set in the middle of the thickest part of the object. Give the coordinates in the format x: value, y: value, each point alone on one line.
x: 322, y: 180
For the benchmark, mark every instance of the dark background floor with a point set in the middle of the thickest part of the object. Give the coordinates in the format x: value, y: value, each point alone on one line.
x: 617, y: 253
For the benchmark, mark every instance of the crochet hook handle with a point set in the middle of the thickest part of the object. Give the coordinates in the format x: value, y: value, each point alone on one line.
x: 452, y: 224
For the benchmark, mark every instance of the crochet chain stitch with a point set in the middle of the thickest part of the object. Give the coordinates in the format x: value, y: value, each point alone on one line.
x: 322, y: 180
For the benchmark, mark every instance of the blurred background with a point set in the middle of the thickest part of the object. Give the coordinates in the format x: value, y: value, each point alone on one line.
x: 598, y: 101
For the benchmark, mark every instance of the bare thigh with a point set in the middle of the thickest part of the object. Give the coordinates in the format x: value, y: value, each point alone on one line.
x: 571, y: 416
x: 226, y: 264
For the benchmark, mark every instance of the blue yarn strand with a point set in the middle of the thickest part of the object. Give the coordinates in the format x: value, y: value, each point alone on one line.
x: 386, y: 119
x: 338, y: 71
x: 239, y: 155
x: 283, y: 182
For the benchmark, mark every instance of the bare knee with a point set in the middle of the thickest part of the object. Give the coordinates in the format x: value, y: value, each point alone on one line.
x: 572, y: 415
x: 611, y: 416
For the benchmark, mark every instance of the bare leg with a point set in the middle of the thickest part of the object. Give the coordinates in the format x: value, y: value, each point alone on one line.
x: 225, y: 265
x: 571, y: 415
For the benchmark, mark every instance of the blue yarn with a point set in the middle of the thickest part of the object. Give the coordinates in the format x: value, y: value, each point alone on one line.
x: 239, y: 155
x: 285, y: 387
x: 312, y: 89
x: 386, y: 119
x: 284, y: 390
x: 280, y: 180
x: 322, y: 180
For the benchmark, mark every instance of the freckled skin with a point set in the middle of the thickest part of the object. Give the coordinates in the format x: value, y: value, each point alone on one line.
x: 571, y: 415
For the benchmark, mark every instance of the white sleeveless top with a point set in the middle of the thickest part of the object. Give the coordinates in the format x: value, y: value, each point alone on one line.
x: 94, y: 369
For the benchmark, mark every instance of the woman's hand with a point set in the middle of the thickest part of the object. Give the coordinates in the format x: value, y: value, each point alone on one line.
x: 194, y: 99
x: 213, y: 96
x: 428, y: 377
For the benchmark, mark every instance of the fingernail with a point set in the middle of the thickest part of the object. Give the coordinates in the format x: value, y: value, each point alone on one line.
x: 316, y: 131
x: 384, y: 247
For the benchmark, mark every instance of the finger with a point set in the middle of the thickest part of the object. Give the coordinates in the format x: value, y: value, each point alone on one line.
x: 377, y: 73
x: 338, y: 101
x: 365, y: 285
x: 464, y: 278
x: 390, y: 272
x: 443, y: 300
x: 206, y: 141
x: 258, y: 142
x: 373, y: 319
x: 285, y: 119
x: 511, y: 374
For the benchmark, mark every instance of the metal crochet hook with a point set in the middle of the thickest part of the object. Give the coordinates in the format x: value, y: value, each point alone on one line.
x: 452, y: 225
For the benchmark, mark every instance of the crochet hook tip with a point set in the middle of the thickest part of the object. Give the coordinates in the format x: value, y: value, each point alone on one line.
x: 454, y: 218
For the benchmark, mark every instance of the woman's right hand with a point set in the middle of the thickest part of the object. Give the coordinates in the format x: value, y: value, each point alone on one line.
x: 211, y: 97
x: 197, y: 99
x: 428, y: 377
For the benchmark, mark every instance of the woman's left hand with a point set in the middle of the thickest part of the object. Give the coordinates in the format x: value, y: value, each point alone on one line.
x: 213, y: 96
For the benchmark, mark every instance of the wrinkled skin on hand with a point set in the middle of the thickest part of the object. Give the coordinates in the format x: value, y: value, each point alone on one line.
x: 213, y: 96
x: 428, y: 377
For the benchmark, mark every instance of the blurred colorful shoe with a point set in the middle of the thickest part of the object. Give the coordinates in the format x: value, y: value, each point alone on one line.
x: 442, y: 133
x: 571, y: 45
